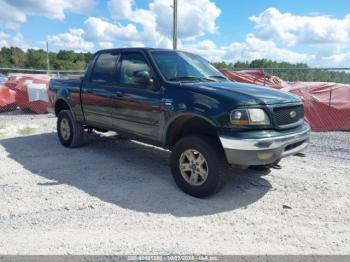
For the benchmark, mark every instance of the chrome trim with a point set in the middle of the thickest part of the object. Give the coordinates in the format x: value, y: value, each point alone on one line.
x: 266, y: 143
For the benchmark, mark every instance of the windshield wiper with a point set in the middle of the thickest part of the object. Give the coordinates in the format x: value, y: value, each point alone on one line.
x: 179, y: 78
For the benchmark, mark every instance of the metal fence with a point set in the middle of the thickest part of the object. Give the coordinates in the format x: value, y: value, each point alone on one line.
x: 63, y: 74
x: 290, y: 75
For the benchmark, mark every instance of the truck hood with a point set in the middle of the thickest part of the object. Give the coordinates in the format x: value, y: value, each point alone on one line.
x: 244, y: 94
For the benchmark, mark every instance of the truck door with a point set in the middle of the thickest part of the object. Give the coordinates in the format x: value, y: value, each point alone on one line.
x: 137, y: 108
x: 98, y: 89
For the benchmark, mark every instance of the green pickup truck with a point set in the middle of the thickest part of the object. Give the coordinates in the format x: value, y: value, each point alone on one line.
x: 177, y: 100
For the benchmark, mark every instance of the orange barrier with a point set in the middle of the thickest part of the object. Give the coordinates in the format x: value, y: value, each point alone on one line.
x: 327, y: 105
x: 19, y: 84
x: 257, y: 77
x: 7, y: 99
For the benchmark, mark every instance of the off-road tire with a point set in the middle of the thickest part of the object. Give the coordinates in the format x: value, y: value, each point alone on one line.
x: 76, y: 131
x: 216, y: 162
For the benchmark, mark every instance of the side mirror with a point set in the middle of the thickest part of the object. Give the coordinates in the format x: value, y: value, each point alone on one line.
x: 143, y: 77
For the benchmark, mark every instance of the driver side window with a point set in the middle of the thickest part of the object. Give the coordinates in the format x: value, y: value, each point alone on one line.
x: 131, y: 66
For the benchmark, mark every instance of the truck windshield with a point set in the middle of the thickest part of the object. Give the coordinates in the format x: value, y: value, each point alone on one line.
x: 183, y: 66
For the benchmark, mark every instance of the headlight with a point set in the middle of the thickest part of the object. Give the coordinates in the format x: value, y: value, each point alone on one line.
x: 250, y: 116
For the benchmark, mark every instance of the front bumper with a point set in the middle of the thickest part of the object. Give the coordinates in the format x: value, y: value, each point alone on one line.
x: 265, y: 146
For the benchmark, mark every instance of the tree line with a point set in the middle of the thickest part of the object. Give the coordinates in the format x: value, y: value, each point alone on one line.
x: 13, y: 57
x: 290, y: 72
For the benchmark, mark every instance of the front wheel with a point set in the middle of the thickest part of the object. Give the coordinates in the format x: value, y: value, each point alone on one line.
x: 70, y: 132
x: 198, y: 165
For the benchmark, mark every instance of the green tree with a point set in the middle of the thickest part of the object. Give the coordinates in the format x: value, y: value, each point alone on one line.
x: 18, y: 57
x: 36, y: 59
x: 5, y: 57
x: 290, y: 72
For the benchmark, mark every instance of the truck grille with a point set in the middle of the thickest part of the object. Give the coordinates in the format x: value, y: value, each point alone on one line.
x: 288, y: 115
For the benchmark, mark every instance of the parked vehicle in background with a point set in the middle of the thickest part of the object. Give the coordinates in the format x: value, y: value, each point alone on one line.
x: 177, y: 100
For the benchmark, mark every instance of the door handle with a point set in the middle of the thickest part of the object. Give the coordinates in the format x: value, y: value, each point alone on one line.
x: 119, y: 94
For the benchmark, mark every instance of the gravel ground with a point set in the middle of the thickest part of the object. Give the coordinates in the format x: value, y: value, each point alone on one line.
x: 117, y: 196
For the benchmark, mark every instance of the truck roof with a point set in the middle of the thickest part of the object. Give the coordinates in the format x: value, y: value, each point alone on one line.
x: 134, y: 49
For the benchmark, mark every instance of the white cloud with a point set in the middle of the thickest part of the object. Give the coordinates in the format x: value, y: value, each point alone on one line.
x: 102, y: 30
x: 15, y: 12
x: 250, y: 49
x: 10, y: 15
x: 324, y: 40
x: 120, y: 8
x: 4, y: 35
x: 335, y: 60
x: 3, y: 39
x: 52, y: 8
x: 105, y: 45
x: 195, y: 17
x: 72, y: 40
x: 255, y: 48
x: 292, y: 29
x: 17, y: 40
x: 134, y: 44
x: 206, y: 48
x: 150, y: 26
x: 164, y: 42
x: 3, y: 43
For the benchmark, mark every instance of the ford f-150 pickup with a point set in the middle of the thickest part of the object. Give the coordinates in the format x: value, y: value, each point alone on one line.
x: 179, y: 101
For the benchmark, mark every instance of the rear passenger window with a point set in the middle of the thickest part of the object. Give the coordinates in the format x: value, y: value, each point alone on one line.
x: 104, y: 70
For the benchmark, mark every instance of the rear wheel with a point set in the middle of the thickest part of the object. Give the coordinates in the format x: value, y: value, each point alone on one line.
x: 198, y: 165
x: 70, y: 132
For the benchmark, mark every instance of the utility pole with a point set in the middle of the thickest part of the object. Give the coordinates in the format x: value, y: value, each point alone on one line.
x: 175, y: 25
x: 47, y: 57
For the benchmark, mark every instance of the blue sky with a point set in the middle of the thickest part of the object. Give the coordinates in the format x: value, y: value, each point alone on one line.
x: 313, y: 32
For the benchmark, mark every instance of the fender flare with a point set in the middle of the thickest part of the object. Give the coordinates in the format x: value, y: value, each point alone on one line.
x: 65, y: 100
x: 174, y: 118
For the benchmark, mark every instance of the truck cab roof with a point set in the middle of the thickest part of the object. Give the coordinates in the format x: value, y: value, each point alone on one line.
x: 134, y: 49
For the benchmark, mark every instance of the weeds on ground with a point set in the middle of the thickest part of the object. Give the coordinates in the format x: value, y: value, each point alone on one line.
x: 26, y: 131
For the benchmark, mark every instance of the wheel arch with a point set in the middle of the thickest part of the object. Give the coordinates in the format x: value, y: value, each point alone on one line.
x: 61, y: 104
x: 188, y: 124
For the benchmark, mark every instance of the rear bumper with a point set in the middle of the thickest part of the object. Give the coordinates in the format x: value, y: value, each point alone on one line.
x: 263, y: 147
